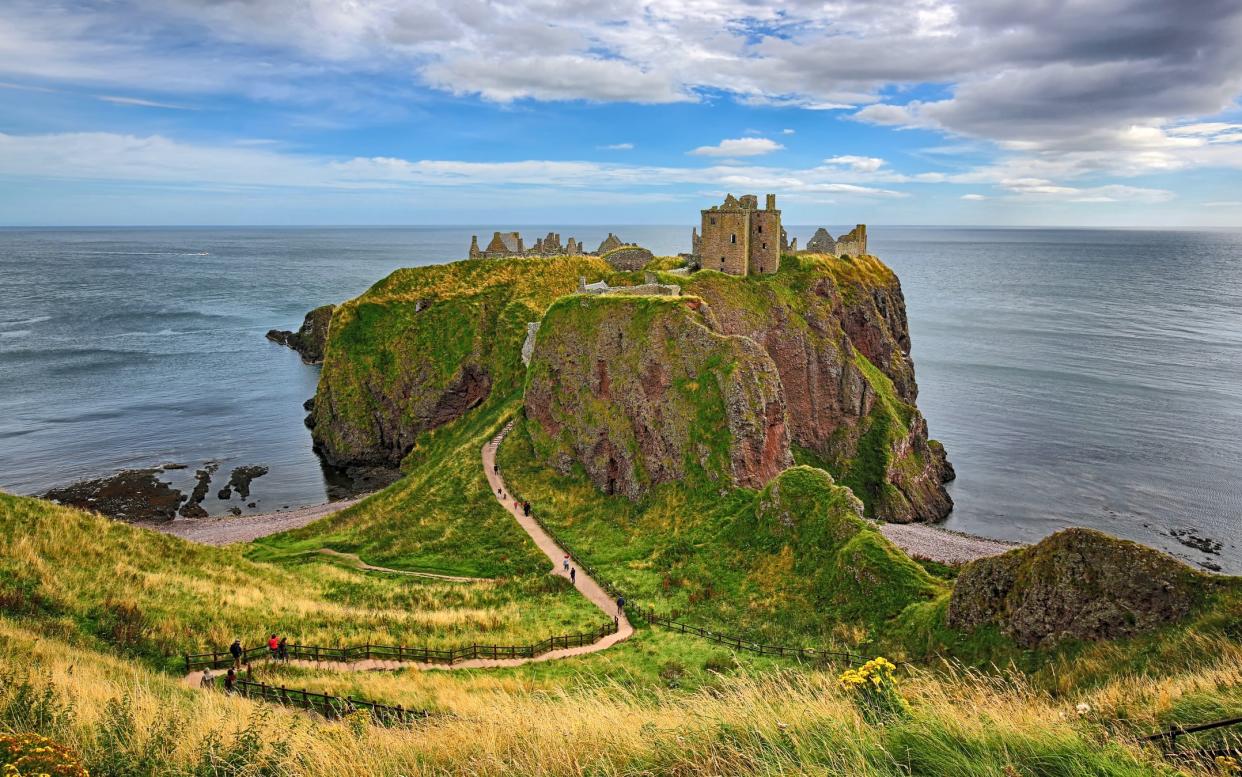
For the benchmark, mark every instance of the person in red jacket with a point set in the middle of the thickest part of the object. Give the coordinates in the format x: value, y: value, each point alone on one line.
x: 273, y: 645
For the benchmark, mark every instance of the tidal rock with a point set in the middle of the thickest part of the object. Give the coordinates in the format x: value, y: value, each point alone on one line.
x: 131, y: 495
x: 310, y: 340
x: 202, y: 482
x: 239, y: 480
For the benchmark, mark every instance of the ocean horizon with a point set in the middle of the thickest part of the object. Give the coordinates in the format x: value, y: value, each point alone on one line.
x: 1077, y: 376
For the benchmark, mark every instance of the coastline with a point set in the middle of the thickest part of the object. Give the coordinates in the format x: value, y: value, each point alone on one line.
x: 226, y: 530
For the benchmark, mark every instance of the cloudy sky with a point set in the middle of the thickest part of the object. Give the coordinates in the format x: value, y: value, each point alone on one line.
x: 1006, y: 112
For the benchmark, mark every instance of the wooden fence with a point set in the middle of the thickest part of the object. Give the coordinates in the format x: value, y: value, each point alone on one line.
x: 332, y: 707
x: 1168, y: 739
x: 223, y: 659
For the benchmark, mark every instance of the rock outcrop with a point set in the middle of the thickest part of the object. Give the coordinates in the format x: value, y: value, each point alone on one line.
x: 1077, y: 584
x: 836, y: 330
x: 130, y: 495
x: 645, y: 390
x: 311, y: 338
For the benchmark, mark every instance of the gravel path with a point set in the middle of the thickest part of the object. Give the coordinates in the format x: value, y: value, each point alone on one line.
x: 244, y: 528
x: 585, y: 585
x: 937, y: 544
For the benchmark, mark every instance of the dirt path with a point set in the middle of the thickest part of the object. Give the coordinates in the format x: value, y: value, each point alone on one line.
x: 360, y: 564
x: 937, y: 544
x: 228, y: 529
x: 585, y: 585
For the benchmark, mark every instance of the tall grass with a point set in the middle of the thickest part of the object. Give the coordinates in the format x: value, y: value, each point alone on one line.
x: 784, y: 722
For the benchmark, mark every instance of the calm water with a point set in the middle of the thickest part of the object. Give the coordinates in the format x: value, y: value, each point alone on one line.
x: 1077, y: 377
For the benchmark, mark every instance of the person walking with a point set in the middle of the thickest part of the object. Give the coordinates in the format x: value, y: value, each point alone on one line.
x: 282, y: 649
x: 208, y: 680
x: 620, y: 606
x: 229, y: 680
x: 273, y: 646
x: 526, y: 509
x: 565, y: 563
x: 573, y: 575
x: 235, y: 650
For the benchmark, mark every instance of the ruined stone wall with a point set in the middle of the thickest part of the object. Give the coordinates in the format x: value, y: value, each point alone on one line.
x: 724, y: 241
x: 853, y: 243
x: 628, y: 257
x: 765, y: 241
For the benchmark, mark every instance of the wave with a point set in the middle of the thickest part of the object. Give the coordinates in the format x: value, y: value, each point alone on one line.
x: 25, y: 321
x: 15, y: 333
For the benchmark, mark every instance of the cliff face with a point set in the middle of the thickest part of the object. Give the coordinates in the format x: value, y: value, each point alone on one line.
x: 646, y: 390
x: 836, y: 330
x: 425, y: 345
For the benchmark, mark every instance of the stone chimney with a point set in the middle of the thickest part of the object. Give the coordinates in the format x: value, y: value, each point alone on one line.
x: 771, y: 204
x: 474, y: 246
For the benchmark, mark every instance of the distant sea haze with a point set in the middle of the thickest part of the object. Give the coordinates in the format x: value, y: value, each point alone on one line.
x: 1076, y: 377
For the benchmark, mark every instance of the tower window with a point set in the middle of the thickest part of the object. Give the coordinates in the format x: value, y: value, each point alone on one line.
x: 712, y: 219
x: 765, y: 245
x: 761, y: 229
x: 733, y: 238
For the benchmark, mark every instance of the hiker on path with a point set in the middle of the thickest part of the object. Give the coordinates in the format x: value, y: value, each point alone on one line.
x: 229, y: 680
x: 620, y: 606
x: 573, y: 575
x: 273, y: 646
x: 565, y: 563
x: 526, y: 509
x: 282, y: 649
x: 235, y: 650
x: 208, y: 680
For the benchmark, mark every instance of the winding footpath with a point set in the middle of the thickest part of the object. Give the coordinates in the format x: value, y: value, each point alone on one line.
x: 585, y: 585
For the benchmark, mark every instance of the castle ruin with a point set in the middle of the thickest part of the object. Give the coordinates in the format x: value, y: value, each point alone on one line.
x: 506, y: 244
x: 738, y: 238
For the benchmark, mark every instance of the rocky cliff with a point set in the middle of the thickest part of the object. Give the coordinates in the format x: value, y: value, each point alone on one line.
x: 836, y: 330
x: 311, y: 338
x: 425, y: 345
x: 642, y: 390
x: 1076, y: 584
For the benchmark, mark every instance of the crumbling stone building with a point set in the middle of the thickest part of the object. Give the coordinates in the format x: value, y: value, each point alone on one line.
x: 853, y: 243
x: 505, y: 244
x: 738, y: 238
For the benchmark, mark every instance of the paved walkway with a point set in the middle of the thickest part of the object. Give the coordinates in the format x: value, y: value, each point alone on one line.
x: 585, y: 585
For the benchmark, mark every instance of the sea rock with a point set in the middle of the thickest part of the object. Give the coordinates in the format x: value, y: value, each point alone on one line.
x: 202, y: 482
x: 131, y: 495
x: 239, y: 480
x: 310, y: 340
x: 646, y: 390
x: 1076, y: 584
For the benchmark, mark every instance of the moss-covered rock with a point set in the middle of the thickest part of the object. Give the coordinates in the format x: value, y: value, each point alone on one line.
x: 642, y: 390
x: 855, y: 574
x: 1077, y: 584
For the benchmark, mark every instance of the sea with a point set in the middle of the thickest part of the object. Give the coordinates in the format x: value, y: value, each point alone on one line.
x: 1077, y: 377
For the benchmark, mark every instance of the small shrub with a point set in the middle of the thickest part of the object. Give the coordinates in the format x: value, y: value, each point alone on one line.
x: 31, y: 755
x: 33, y: 703
x: 721, y: 663
x: 671, y: 672
x: 873, y: 688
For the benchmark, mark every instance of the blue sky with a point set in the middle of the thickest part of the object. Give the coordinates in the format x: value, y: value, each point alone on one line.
x: 1039, y: 112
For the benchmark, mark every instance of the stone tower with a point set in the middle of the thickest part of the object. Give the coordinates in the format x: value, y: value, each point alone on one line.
x: 740, y: 239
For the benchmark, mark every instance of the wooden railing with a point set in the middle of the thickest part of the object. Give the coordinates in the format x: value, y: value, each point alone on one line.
x: 1168, y: 738
x: 425, y: 655
x: 329, y: 706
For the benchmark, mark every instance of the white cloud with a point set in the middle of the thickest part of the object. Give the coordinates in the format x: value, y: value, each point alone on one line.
x: 736, y: 147
x: 1224, y: 204
x: 973, y: 197
x: 618, y: 147
x: 861, y: 164
x: 787, y: 131
x: 138, y: 102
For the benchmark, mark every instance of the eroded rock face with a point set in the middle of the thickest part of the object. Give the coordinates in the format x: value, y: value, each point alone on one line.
x: 646, y: 390
x: 837, y: 411
x: 1076, y: 584
x: 311, y: 338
